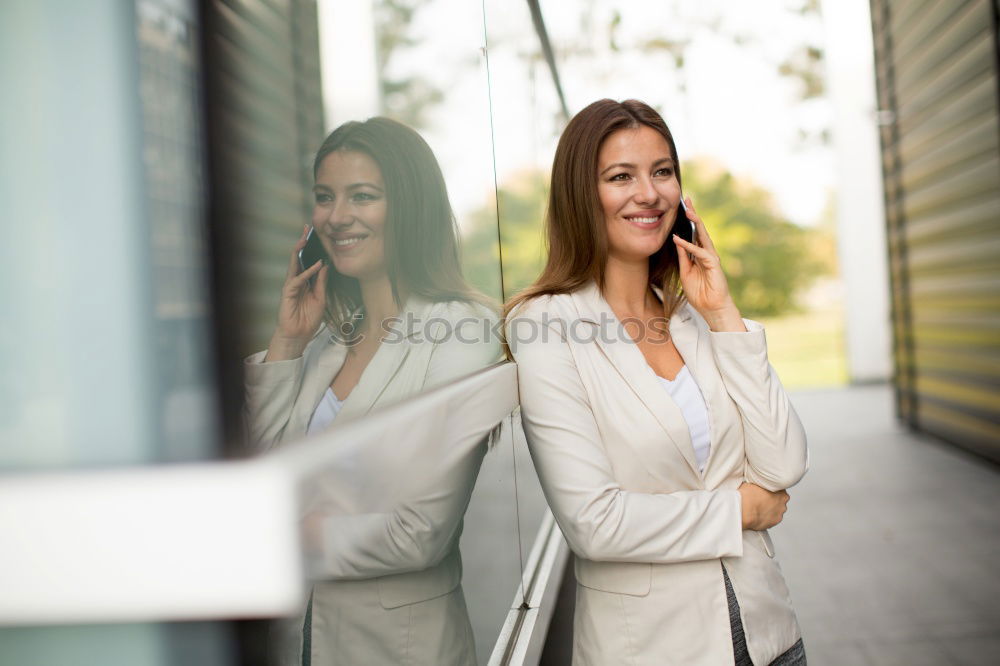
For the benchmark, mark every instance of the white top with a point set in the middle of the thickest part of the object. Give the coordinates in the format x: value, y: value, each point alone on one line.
x: 685, y: 392
x: 326, y: 411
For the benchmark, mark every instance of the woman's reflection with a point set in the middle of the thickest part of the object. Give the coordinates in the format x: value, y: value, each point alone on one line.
x: 374, y: 309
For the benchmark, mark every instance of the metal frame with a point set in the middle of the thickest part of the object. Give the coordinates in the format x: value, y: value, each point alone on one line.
x: 522, y: 637
x: 550, y: 58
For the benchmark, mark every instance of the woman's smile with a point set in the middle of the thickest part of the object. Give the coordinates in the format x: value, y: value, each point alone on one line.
x: 346, y: 242
x: 646, y: 219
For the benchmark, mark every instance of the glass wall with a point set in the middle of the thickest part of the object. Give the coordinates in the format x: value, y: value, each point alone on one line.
x: 106, y: 350
x: 395, y: 174
x: 272, y: 228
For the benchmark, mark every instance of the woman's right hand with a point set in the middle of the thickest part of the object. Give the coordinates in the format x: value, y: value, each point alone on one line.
x: 301, y: 309
x: 762, y: 509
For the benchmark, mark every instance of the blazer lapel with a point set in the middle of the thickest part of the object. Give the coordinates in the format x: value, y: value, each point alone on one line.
x: 386, y: 363
x: 375, y: 379
x: 686, y: 333
x: 317, y: 377
x: 628, y: 360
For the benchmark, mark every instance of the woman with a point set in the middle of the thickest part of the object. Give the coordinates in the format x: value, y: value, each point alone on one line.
x: 662, y: 437
x: 385, y: 223
x: 385, y: 315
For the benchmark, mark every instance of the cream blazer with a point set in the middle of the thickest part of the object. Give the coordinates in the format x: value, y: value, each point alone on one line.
x: 445, y: 342
x: 616, y: 463
x: 387, y: 596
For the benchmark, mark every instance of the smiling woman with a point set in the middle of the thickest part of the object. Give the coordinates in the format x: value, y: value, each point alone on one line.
x: 664, y: 453
x: 387, y: 572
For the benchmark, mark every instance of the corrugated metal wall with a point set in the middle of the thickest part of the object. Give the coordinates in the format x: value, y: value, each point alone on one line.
x: 265, y: 99
x: 936, y: 68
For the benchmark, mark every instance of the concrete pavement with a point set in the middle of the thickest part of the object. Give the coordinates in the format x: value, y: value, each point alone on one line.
x: 891, y: 545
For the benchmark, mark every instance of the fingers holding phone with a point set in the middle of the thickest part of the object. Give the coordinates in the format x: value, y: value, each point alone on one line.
x: 684, y: 226
x: 702, y: 277
x: 311, y: 250
x: 700, y: 232
x: 303, y: 301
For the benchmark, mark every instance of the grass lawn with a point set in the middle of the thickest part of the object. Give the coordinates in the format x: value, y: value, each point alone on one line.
x: 807, y: 348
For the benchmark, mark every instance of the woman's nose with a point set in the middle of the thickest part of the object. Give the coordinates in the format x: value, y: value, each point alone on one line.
x: 337, y: 215
x: 645, y: 191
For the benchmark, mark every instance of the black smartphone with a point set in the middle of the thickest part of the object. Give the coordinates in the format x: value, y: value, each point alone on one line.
x: 313, y: 251
x: 683, y: 226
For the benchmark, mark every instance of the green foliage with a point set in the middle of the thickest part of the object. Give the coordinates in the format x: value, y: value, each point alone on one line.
x: 768, y: 260
x: 522, y: 208
x: 807, y: 349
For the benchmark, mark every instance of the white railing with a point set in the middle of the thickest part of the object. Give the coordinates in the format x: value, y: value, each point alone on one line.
x: 522, y: 637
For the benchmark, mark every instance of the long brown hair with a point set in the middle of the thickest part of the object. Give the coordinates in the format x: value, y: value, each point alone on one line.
x: 421, y: 235
x: 575, y: 229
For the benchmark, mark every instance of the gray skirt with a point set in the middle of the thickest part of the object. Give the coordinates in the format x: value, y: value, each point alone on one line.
x: 793, y: 656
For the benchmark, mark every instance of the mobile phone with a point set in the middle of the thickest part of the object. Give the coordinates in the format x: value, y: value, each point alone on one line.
x: 312, y: 251
x: 683, y: 226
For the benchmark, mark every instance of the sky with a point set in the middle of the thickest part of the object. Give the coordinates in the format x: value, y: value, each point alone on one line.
x: 728, y: 103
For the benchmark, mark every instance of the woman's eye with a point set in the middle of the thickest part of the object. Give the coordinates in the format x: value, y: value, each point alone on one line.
x: 365, y: 196
x: 666, y: 172
x: 323, y: 198
x: 620, y: 176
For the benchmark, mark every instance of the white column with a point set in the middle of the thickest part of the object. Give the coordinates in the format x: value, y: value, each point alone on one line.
x: 348, y: 61
x: 861, y: 227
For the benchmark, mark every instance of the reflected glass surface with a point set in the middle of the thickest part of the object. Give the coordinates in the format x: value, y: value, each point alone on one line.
x: 368, y: 273
x: 212, y: 144
x: 106, y: 349
x: 527, y: 120
x: 374, y: 307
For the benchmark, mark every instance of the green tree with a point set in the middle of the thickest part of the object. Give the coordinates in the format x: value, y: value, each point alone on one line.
x: 768, y: 259
x: 522, y: 201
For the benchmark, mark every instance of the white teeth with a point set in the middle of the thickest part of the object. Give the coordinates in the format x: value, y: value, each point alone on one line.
x: 644, y: 220
x: 348, y: 241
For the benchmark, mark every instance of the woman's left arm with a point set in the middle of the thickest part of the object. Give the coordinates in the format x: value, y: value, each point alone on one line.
x: 776, y: 452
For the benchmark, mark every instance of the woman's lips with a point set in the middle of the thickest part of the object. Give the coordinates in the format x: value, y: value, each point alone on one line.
x: 647, y: 219
x: 347, y: 242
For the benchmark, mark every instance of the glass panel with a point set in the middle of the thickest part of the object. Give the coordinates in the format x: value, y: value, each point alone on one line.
x: 367, y: 273
x: 109, y: 254
x: 353, y: 266
x: 527, y: 118
x: 163, y: 297
x: 172, y: 158
x: 106, y: 348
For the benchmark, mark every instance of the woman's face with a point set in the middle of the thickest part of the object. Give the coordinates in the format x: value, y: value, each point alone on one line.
x: 639, y: 193
x: 349, y: 213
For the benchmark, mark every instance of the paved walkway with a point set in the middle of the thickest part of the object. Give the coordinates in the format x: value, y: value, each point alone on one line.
x: 891, y: 545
